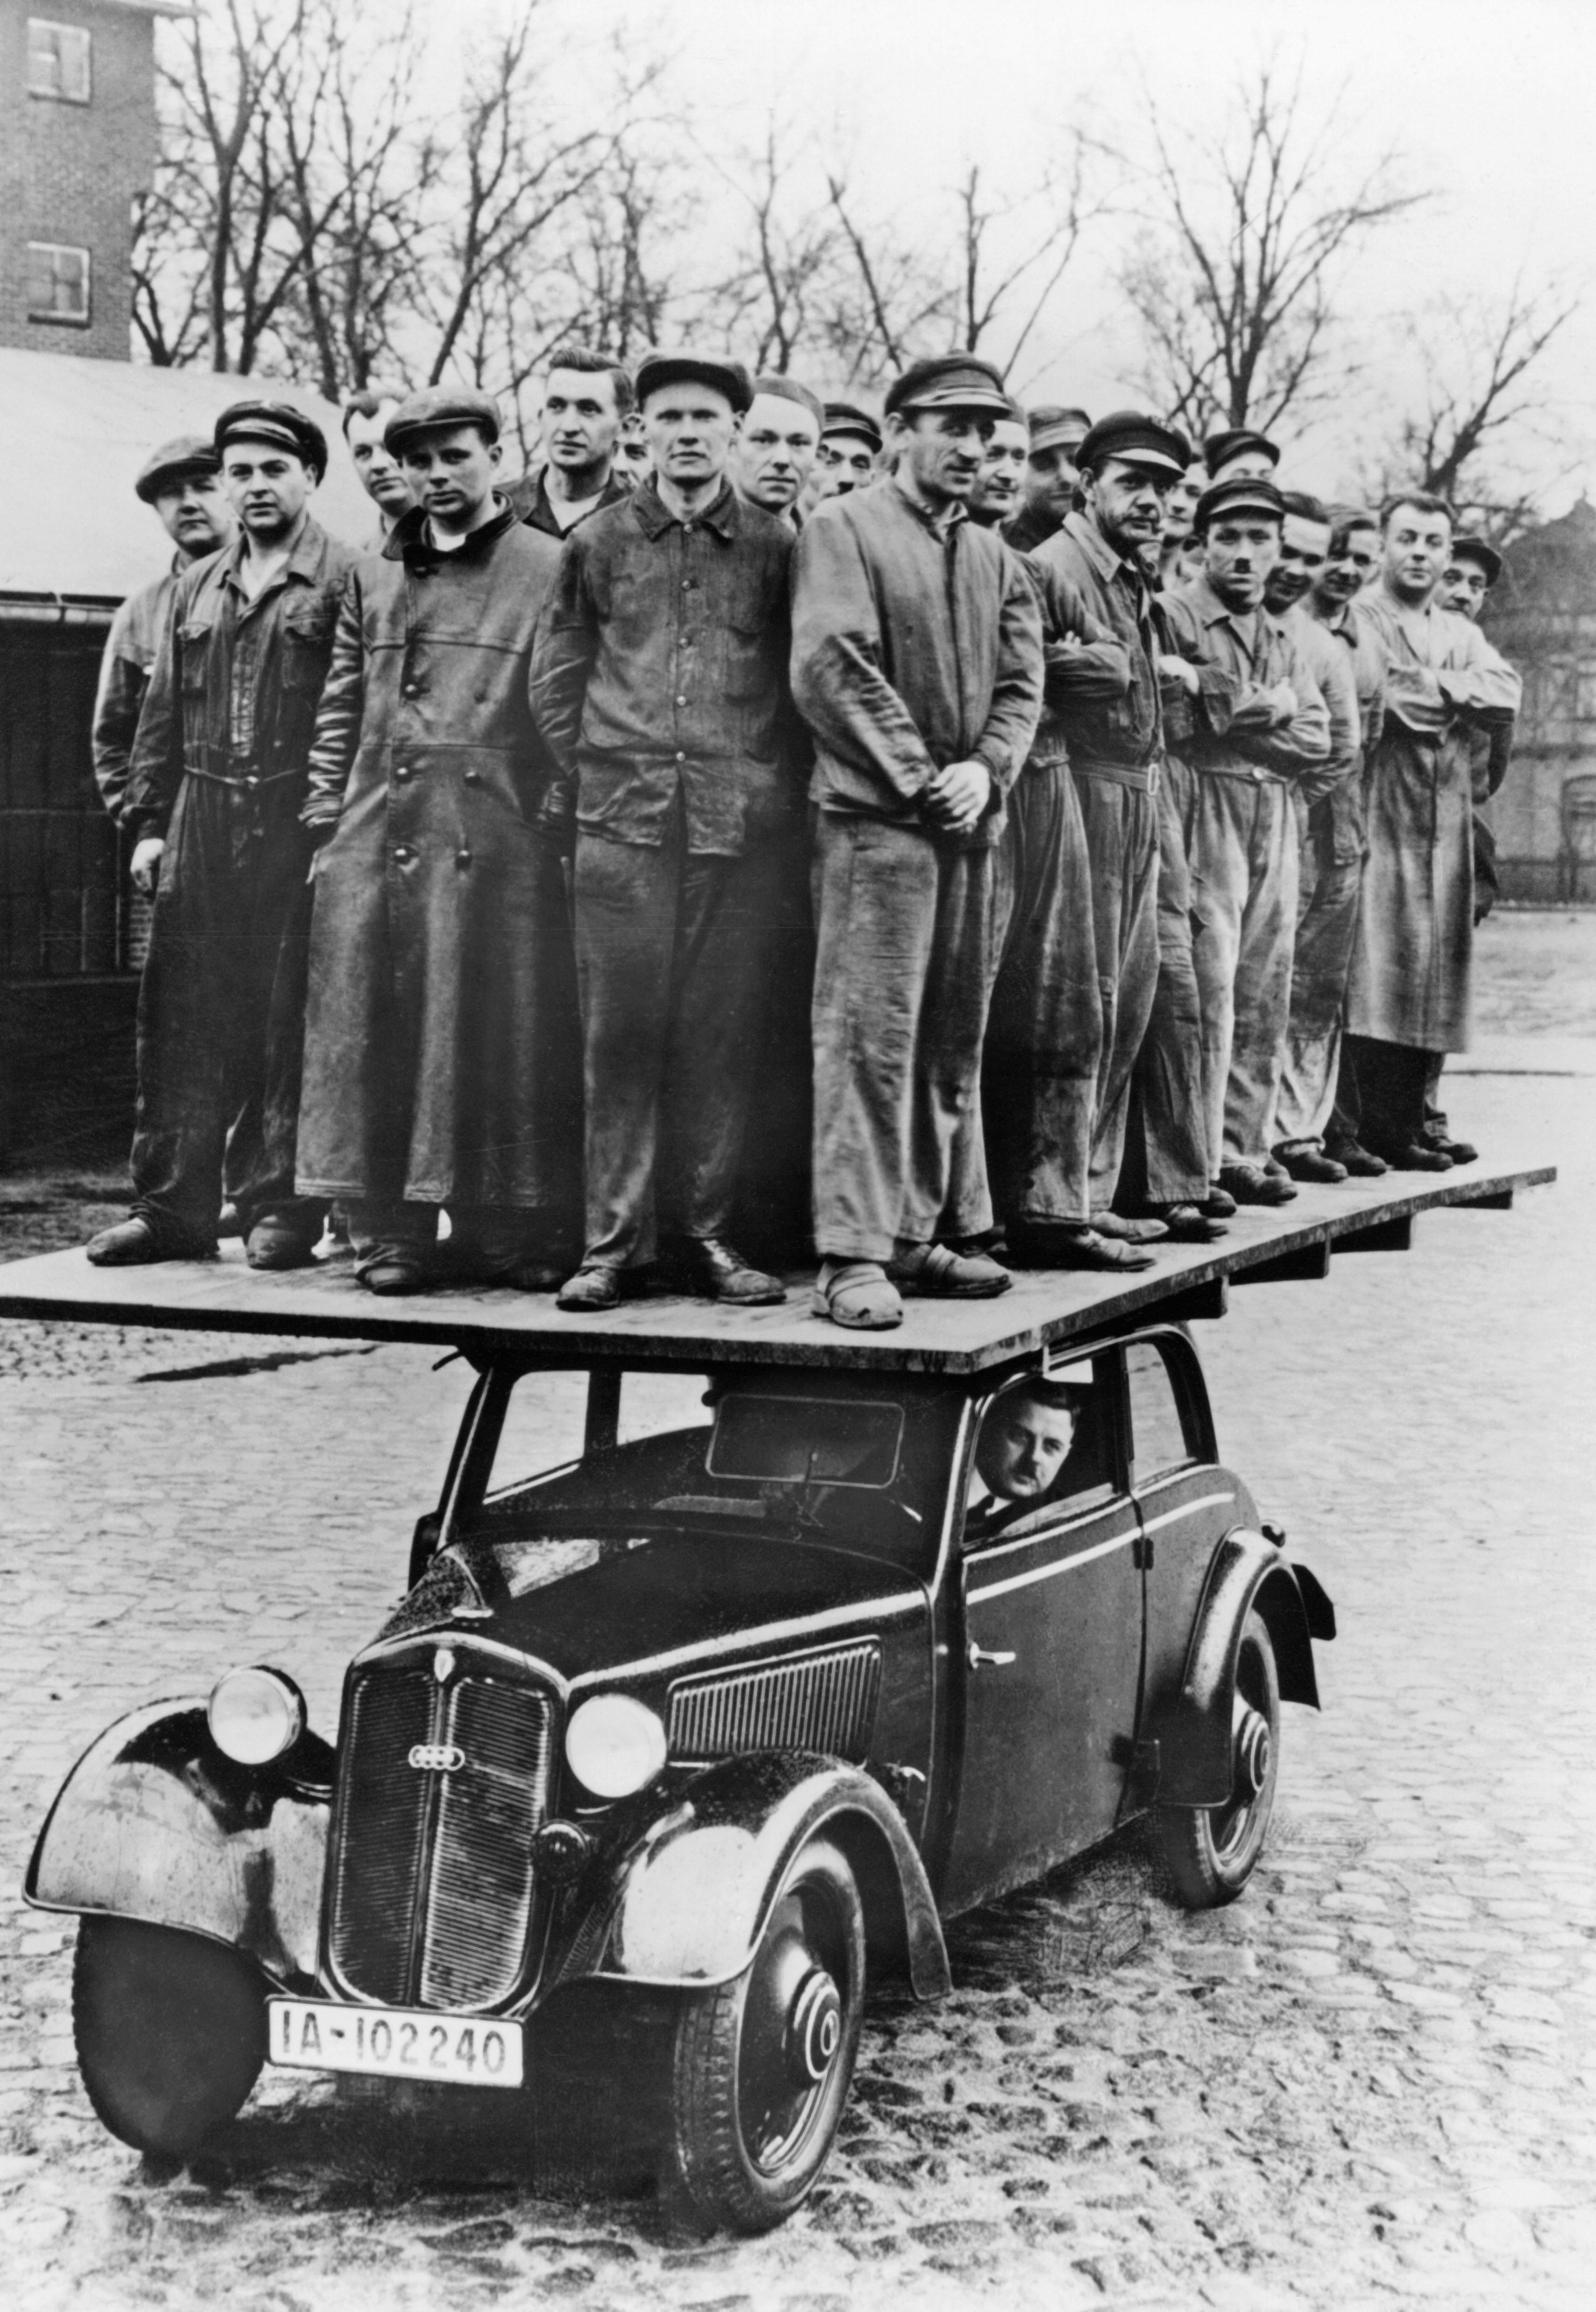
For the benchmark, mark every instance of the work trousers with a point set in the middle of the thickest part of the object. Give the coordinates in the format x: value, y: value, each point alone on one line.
x: 1044, y: 1026
x: 1175, y: 1164
x: 670, y: 951
x: 1243, y: 856
x: 903, y: 973
x: 1330, y: 874
x: 221, y: 1018
x: 1381, y: 1092
x: 1122, y: 825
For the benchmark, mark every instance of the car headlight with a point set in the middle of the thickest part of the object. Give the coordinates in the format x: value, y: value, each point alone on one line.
x: 255, y: 1715
x: 614, y: 1744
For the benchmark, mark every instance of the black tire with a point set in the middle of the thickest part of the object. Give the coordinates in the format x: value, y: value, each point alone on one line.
x: 761, y: 2068
x: 1212, y: 1851
x: 169, y: 2028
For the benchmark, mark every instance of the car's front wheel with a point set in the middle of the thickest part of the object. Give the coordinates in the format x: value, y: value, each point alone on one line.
x: 170, y: 2031
x: 1212, y: 1851
x: 761, y: 2067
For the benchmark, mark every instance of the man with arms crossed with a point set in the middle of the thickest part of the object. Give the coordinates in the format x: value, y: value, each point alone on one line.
x: 214, y: 792
x: 1409, y: 997
x: 659, y: 683
x: 917, y: 665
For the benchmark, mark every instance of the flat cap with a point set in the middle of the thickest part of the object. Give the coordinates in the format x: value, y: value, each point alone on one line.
x: 787, y: 389
x: 679, y: 368
x: 184, y: 454
x: 1054, y: 425
x: 948, y: 381
x: 437, y: 407
x: 1475, y: 549
x: 278, y: 421
x: 1137, y: 438
x: 1244, y: 495
x: 847, y: 417
x: 1219, y: 449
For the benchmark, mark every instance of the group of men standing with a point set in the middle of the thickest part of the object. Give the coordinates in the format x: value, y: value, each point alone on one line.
x: 1124, y: 811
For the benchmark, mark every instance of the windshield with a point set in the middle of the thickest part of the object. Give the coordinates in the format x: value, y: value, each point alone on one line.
x: 619, y: 1457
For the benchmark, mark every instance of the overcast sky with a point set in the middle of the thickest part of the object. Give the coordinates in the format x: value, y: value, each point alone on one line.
x: 1489, y: 101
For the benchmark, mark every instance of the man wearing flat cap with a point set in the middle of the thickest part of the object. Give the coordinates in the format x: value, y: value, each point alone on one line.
x: 777, y: 446
x: 917, y: 665
x: 1238, y: 759
x: 182, y: 481
x: 1112, y: 735
x: 658, y: 682
x: 1240, y: 455
x: 1052, y: 476
x: 441, y: 1052
x: 850, y: 443
x: 212, y: 805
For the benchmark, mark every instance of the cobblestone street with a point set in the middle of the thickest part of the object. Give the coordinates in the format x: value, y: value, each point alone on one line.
x: 1372, y: 2081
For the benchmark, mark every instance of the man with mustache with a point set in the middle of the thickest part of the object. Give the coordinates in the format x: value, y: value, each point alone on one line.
x: 214, y: 792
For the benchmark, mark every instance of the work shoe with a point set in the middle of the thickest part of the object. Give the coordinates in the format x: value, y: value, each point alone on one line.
x: 1353, y: 1157
x: 1108, y: 1223
x: 1249, y: 1184
x: 712, y: 1266
x: 1192, y: 1224
x: 941, y: 1274
x: 277, y: 1243
x: 391, y: 1278
x: 857, y: 1293
x: 1074, y: 1247
x: 537, y: 1275
x: 595, y: 1285
x: 1461, y: 1151
x: 133, y: 1242
x: 1217, y: 1205
x: 1418, y: 1158
x: 1311, y: 1164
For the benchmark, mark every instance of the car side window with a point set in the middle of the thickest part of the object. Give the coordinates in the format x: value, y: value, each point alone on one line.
x: 1046, y: 1443
x: 1158, y: 1442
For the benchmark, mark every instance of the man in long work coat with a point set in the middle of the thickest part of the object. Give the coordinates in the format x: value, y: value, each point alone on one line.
x: 658, y: 682
x: 211, y: 804
x: 1408, y: 998
x: 440, y: 1031
x: 917, y: 664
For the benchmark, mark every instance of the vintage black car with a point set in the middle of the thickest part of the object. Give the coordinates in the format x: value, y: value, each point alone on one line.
x: 717, y: 1687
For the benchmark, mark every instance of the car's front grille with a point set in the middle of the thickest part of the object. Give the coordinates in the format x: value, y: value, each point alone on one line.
x: 432, y: 1869
x: 823, y: 1701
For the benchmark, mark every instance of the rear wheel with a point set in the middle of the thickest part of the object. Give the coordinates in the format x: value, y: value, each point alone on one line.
x: 169, y: 2028
x: 1212, y: 1851
x: 761, y: 2067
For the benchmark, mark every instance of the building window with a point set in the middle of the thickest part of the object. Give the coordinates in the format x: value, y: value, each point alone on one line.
x: 57, y: 61
x: 57, y: 284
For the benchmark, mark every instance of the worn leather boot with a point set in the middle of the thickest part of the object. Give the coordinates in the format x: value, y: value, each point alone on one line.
x: 711, y: 1265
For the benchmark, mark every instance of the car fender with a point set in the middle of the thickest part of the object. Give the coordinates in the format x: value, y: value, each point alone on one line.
x: 154, y: 1822
x: 1193, y: 1726
x: 685, y: 1900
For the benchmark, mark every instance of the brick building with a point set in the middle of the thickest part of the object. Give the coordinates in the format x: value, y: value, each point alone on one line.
x: 1542, y: 617
x: 78, y: 147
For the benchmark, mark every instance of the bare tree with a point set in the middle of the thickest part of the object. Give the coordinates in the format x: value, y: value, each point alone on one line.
x: 769, y: 301
x: 1482, y: 399
x: 1005, y: 298
x: 1246, y: 236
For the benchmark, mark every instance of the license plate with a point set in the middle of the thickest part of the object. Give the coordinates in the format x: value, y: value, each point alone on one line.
x: 313, y: 2035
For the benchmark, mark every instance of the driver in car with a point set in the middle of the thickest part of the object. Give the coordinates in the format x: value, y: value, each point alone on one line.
x: 1024, y: 1443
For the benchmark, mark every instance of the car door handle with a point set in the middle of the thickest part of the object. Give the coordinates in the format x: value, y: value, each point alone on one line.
x: 979, y: 1654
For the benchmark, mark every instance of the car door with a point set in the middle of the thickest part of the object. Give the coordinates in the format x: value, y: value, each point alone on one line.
x: 1050, y: 1645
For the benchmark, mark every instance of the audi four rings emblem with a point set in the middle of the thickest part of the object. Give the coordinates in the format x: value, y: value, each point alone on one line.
x: 438, y: 1758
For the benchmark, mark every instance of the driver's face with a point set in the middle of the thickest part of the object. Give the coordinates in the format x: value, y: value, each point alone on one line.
x: 1022, y: 1448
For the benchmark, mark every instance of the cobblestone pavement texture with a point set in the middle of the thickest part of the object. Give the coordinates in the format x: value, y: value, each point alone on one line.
x: 1370, y: 2082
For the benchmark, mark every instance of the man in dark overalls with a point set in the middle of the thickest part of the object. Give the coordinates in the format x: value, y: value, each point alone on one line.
x: 212, y: 800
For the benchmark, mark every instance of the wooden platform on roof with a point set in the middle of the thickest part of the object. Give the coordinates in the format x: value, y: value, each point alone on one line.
x: 1046, y: 1308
